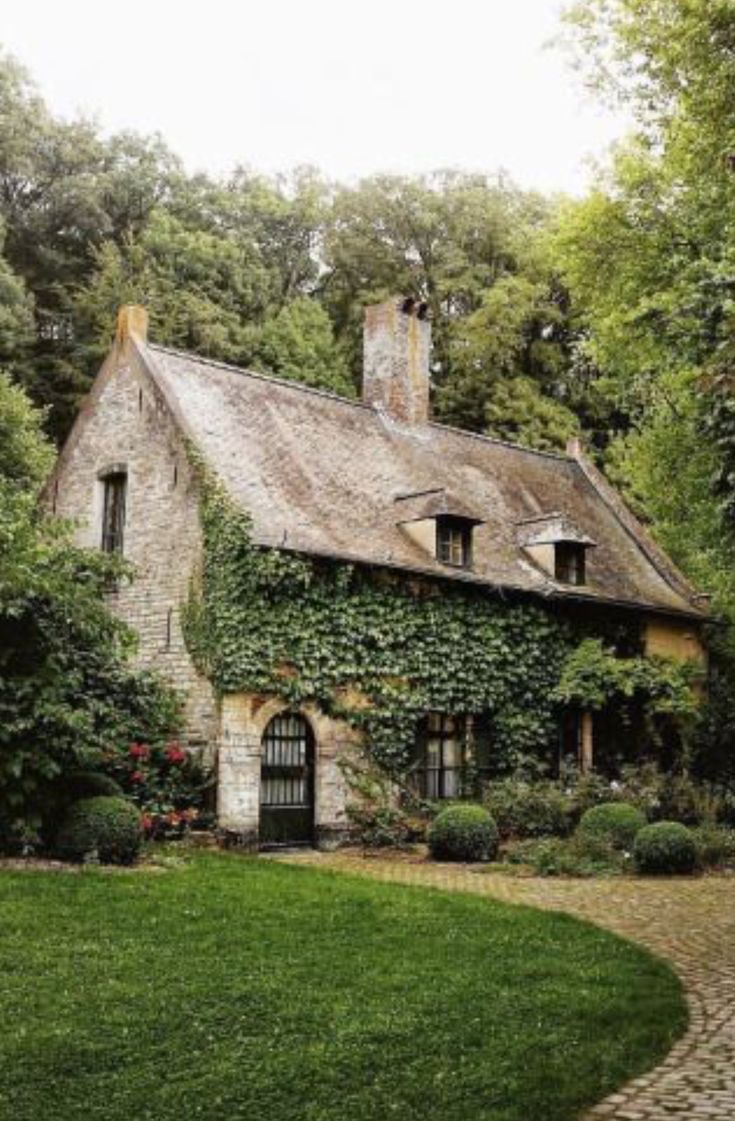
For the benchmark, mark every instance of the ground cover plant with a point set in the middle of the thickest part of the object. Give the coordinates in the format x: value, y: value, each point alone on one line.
x: 234, y: 987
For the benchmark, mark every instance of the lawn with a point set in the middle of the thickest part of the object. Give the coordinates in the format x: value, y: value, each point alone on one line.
x: 230, y: 987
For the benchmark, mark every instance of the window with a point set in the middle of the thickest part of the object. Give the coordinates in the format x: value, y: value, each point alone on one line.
x: 113, y: 511
x: 569, y: 562
x: 441, y: 756
x: 454, y: 542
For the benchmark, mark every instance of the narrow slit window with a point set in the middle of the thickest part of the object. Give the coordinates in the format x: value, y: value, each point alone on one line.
x: 113, y: 512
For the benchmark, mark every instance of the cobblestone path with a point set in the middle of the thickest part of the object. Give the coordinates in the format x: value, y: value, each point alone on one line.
x: 689, y: 921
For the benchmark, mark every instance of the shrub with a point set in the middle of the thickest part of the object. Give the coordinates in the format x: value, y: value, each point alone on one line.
x: 691, y: 802
x: 529, y: 809
x: 168, y: 783
x: 18, y: 837
x: 67, y: 789
x: 715, y: 846
x: 617, y: 823
x: 665, y: 847
x: 102, y: 827
x: 580, y: 855
x: 585, y: 790
x: 463, y: 832
x: 379, y: 826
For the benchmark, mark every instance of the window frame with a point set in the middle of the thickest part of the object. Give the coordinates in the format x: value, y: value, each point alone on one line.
x: 459, y: 533
x: 114, y: 484
x: 441, y: 789
x: 570, y: 565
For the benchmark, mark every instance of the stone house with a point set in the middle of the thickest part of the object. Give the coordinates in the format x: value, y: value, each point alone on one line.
x: 372, y: 483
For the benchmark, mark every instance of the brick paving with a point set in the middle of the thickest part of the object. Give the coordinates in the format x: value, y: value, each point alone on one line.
x: 689, y: 921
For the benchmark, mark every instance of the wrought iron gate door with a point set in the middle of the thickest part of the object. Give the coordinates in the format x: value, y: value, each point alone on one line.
x: 287, y: 782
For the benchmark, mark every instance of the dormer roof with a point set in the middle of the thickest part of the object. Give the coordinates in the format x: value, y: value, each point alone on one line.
x: 434, y: 503
x: 552, y: 529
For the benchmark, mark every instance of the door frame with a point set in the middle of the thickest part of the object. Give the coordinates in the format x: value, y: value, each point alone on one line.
x: 311, y: 763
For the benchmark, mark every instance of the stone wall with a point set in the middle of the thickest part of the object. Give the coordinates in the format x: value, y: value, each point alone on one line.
x: 126, y: 424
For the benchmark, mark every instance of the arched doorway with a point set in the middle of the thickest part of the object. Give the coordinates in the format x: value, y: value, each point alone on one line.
x: 287, y: 781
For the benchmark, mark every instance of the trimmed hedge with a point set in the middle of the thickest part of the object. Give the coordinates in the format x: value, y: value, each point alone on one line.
x: 103, y: 828
x: 463, y: 832
x: 617, y: 823
x: 667, y: 847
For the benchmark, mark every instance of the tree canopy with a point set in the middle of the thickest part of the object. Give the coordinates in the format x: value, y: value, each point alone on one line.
x: 268, y: 272
x: 649, y: 259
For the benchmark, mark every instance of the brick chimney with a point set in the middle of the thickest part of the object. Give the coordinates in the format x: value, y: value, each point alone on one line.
x: 397, y: 344
x: 132, y: 319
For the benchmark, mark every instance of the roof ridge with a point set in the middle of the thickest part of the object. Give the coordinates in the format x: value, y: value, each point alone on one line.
x: 501, y: 443
x: 354, y: 401
x: 289, y: 383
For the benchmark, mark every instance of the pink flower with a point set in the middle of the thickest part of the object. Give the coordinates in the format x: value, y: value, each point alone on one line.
x: 137, y: 776
x: 175, y: 754
x: 139, y: 751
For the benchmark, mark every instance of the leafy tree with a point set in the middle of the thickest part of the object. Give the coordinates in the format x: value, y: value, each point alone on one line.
x: 298, y: 343
x: 471, y: 247
x: 201, y: 290
x: 649, y: 258
x: 515, y: 331
x: 16, y: 317
x: 518, y: 411
x: 25, y: 454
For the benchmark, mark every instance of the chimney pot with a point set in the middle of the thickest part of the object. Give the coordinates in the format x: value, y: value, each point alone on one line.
x: 397, y: 346
x: 132, y: 321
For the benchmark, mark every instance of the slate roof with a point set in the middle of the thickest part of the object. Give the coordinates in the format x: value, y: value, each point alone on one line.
x: 324, y: 475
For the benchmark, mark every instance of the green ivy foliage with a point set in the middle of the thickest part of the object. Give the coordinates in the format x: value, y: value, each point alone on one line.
x: 381, y: 651
x: 263, y: 621
x: 593, y: 676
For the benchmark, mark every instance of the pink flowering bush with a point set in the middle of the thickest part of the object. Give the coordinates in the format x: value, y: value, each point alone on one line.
x: 167, y: 783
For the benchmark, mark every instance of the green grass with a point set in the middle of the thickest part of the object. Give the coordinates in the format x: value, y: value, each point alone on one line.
x: 232, y: 988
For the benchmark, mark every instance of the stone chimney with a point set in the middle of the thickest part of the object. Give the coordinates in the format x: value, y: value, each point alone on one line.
x: 397, y: 344
x: 132, y: 319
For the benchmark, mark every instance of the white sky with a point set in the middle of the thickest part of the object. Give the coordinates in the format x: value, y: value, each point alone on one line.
x: 353, y: 89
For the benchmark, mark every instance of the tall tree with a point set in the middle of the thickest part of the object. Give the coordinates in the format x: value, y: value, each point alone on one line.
x: 471, y: 246
x: 649, y: 259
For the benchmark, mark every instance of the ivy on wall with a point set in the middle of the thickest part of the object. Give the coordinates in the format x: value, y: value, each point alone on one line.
x: 377, y: 650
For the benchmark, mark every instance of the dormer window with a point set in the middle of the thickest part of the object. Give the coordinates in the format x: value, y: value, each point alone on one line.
x: 569, y: 562
x: 454, y: 542
x: 556, y: 545
x: 439, y: 523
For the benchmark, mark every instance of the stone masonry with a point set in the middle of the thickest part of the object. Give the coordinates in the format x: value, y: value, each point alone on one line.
x: 131, y: 429
x: 244, y: 719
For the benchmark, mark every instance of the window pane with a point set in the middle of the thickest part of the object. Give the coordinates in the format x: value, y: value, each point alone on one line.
x: 451, y: 784
x: 433, y: 752
x: 452, y: 753
x: 113, y: 513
